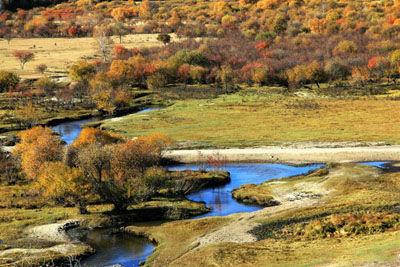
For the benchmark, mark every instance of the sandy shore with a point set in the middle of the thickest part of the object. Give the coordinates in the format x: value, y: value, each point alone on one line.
x: 290, y: 154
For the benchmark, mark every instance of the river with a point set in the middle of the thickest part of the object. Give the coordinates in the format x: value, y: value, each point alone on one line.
x: 128, y: 250
x: 70, y: 130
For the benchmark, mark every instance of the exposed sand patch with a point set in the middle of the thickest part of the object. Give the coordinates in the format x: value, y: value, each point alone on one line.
x: 293, y: 154
x: 55, y: 232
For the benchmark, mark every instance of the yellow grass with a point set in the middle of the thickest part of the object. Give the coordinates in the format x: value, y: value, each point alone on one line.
x: 60, y: 53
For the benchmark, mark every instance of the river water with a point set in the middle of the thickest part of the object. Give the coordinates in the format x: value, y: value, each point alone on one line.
x: 128, y: 250
x: 70, y: 130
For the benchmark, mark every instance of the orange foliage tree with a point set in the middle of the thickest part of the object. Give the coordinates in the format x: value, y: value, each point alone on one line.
x: 23, y: 57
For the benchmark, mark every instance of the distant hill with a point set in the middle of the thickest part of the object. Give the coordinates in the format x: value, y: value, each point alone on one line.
x: 26, y: 4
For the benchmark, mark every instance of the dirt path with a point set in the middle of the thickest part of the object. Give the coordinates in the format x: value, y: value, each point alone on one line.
x: 295, y: 154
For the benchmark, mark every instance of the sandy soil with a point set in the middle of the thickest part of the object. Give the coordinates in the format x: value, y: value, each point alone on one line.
x: 294, y: 153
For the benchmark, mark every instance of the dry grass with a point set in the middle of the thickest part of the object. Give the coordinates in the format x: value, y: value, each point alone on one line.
x: 254, y: 194
x: 174, y: 239
x: 60, y: 53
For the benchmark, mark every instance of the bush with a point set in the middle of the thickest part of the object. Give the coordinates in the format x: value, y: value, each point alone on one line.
x: 157, y: 80
x: 8, y: 80
x: 49, y: 86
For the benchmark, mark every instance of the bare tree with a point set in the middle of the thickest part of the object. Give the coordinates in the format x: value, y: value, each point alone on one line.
x: 102, y: 36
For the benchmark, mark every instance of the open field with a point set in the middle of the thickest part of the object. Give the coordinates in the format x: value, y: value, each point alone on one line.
x: 259, y: 117
x: 60, y: 53
x: 297, y: 232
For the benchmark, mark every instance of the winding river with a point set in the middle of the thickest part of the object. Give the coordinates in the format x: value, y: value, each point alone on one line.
x: 128, y: 250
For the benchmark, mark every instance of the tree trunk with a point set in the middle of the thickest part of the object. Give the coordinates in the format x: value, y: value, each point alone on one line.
x: 82, y: 209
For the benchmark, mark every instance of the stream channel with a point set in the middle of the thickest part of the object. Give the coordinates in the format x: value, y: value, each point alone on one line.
x: 129, y: 250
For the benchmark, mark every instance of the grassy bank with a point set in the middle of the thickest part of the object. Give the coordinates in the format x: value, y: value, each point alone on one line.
x: 344, y: 215
x: 254, y: 117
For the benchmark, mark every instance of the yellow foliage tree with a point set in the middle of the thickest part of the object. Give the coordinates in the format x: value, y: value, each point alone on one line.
x: 64, y: 184
x: 38, y: 145
x: 91, y: 135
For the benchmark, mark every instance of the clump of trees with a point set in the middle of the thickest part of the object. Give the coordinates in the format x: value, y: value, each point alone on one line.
x: 97, y: 164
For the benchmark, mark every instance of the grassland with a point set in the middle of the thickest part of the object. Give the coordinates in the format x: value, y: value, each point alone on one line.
x: 60, y: 53
x: 291, y: 234
x: 254, y: 117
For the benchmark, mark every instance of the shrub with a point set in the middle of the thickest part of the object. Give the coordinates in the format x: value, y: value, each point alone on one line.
x: 8, y: 80
x: 49, y: 86
x: 157, y: 80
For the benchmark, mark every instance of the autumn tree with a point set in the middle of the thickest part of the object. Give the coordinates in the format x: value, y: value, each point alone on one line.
x: 96, y: 136
x: 198, y: 74
x: 64, y: 185
x: 345, y: 48
x: 82, y: 71
x: 133, y: 71
x: 27, y: 116
x: 116, y: 171
x: 183, y: 73
x: 119, y: 30
x: 37, y: 146
x: 9, y: 167
x: 48, y: 85
x: 41, y: 68
x: 315, y: 73
x: 226, y: 76
x: 157, y: 80
x: 8, y: 80
x: 130, y: 161
x: 23, y: 57
x: 164, y: 38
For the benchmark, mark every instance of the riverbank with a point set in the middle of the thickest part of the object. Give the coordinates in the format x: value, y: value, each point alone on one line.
x: 344, y: 216
x: 296, y: 153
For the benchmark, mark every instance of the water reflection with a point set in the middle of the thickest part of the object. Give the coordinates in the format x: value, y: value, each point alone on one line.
x: 70, y: 130
x: 379, y: 164
x: 220, y: 198
x: 120, y: 248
